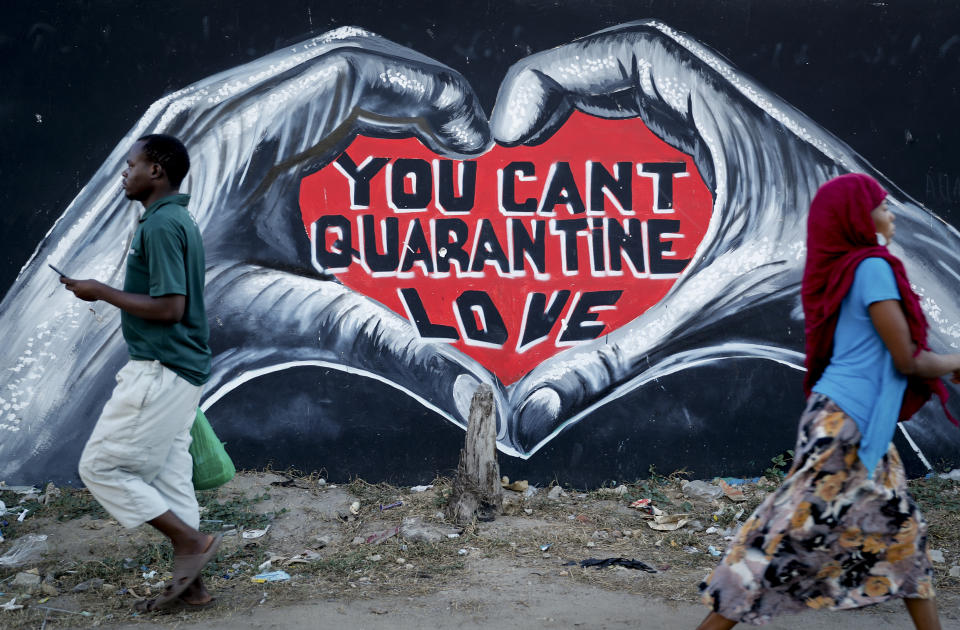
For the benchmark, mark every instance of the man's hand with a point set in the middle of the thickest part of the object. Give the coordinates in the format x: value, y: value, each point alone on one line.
x: 86, y: 290
x: 165, y: 309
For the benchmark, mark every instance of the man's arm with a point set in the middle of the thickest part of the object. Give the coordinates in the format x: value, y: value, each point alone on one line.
x: 166, y: 309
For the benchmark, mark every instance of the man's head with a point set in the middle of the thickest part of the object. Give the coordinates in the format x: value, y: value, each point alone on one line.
x: 155, y: 163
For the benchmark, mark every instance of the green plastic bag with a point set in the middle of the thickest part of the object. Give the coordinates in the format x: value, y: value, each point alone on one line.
x: 212, y: 466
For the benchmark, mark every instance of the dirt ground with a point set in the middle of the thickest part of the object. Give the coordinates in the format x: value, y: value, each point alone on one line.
x: 352, y: 564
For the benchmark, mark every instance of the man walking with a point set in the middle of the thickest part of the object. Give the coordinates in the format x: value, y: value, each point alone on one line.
x: 136, y: 463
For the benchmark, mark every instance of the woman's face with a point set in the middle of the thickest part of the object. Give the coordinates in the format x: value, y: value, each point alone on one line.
x: 883, y: 220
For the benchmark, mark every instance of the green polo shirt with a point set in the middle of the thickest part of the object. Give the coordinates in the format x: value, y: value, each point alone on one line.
x: 166, y: 258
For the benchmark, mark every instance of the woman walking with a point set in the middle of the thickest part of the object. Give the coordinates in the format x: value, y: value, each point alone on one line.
x: 842, y: 531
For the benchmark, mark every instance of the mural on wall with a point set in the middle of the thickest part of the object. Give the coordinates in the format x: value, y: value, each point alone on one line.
x: 629, y: 199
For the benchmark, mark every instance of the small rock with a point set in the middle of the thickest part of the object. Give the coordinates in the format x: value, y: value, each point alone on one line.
x: 955, y: 571
x: 628, y: 533
x: 358, y: 540
x: 564, y: 573
x: 25, y: 580
x: 527, y: 511
x: 321, y: 482
x: 408, y: 566
x: 49, y: 589
x: 323, y: 540
x: 83, y: 587
x: 106, y: 587
x: 401, y: 560
x: 695, y: 525
x: 711, y: 530
x: 413, y: 529
x: 591, y: 544
x: 936, y: 555
x: 616, y: 533
x: 555, y: 493
x: 355, y: 507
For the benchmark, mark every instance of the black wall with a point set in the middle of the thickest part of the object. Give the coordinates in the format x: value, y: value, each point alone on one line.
x: 882, y: 76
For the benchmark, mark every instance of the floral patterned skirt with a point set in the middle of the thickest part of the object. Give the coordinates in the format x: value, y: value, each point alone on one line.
x: 829, y: 536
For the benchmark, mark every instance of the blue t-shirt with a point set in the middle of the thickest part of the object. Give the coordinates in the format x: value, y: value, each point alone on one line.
x: 861, y: 377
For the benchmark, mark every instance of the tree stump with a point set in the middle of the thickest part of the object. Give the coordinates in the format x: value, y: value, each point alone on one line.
x: 476, y: 488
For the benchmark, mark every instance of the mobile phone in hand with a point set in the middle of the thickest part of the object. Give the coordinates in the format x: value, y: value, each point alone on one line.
x: 57, y: 270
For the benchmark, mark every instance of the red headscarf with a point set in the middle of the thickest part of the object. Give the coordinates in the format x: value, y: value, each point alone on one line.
x: 840, y: 234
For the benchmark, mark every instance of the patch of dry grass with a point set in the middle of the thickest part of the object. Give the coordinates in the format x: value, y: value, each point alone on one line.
x: 539, y: 534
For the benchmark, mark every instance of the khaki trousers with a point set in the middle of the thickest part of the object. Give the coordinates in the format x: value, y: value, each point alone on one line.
x: 137, y: 462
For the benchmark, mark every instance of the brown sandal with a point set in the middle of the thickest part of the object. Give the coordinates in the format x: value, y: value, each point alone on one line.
x: 186, y: 569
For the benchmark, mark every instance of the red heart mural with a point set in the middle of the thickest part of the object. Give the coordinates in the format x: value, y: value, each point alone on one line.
x: 518, y: 254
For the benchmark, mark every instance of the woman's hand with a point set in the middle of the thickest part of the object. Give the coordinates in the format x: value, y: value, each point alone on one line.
x: 891, y: 325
